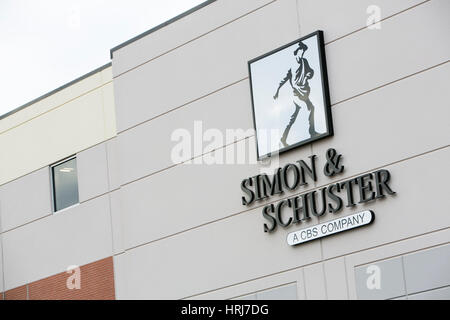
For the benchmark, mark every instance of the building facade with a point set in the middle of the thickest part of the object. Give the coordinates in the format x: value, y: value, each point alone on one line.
x: 151, y: 220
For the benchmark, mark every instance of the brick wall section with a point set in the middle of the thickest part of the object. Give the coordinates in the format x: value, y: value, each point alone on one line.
x: 97, y: 283
x: 96, y: 280
x: 19, y: 293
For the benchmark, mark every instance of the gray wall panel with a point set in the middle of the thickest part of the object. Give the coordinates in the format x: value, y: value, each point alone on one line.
x: 288, y: 292
x: 400, y: 298
x: 437, y: 294
x: 388, y: 274
x: 427, y: 269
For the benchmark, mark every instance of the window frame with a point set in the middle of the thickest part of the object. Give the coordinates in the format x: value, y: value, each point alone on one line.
x: 52, y: 184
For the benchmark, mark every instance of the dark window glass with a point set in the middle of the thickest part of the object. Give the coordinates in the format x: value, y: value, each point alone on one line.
x: 65, y: 184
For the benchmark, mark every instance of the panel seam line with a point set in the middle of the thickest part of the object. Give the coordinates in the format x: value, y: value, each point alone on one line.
x: 277, y: 200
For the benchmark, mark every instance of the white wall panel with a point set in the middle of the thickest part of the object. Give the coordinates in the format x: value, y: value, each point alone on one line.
x: 114, y: 166
x: 390, y: 124
x: 390, y: 250
x: 117, y: 222
x: 76, y: 236
x: 189, y: 195
x: 335, y: 279
x: 120, y: 274
x: 184, y: 30
x: 62, y: 131
x: 202, y: 66
x: 57, y: 99
x: 92, y: 170
x: 248, y: 289
x: 25, y: 199
x: 368, y: 59
x: 339, y: 18
x: 148, y: 148
x: 1, y: 266
x: 417, y: 207
x: 212, y: 256
x: 315, y: 281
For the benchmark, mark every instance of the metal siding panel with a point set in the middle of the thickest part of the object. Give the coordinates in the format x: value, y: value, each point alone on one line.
x: 428, y: 269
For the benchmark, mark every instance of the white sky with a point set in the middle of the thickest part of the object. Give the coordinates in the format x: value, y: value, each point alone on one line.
x: 47, y: 43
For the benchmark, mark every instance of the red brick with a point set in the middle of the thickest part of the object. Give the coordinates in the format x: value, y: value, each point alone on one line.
x: 19, y: 293
x: 96, y: 279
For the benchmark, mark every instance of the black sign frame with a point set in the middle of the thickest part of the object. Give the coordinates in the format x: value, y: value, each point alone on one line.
x: 325, y: 90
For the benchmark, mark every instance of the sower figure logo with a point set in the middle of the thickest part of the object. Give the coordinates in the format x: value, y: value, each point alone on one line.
x: 297, y: 111
x: 300, y: 88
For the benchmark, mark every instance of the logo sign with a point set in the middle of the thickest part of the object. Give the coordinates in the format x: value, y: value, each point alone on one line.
x: 290, y: 96
x: 284, y: 211
x: 331, y: 227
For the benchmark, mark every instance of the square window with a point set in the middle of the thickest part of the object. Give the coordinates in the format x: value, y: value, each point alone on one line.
x: 65, y: 184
